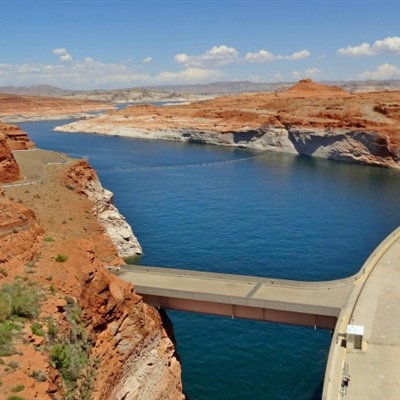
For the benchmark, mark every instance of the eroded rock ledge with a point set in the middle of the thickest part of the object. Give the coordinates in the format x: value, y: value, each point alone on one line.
x: 130, y: 355
x: 356, y: 146
x: 309, y: 118
x: 84, y: 178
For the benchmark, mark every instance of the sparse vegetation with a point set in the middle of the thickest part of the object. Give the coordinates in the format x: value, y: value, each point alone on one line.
x: 52, y: 328
x: 15, y: 398
x: 70, y: 355
x: 17, y: 301
x: 61, y: 258
x: 13, y: 364
x: 39, y: 375
x: 37, y: 329
x: 18, y: 388
x: 48, y: 239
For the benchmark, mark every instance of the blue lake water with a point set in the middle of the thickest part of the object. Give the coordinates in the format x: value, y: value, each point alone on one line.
x: 244, y: 212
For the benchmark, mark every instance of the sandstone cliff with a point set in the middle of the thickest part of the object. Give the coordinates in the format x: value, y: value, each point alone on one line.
x: 309, y: 118
x: 93, y: 336
x: 11, y: 138
x: 15, y: 108
x: 9, y: 170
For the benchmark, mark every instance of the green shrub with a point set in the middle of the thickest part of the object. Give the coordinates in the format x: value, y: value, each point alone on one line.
x: 61, y: 258
x: 48, y: 239
x: 18, y: 388
x: 24, y: 303
x: 69, y: 359
x: 15, y: 398
x: 52, y: 329
x: 17, y: 300
x: 37, y: 329
x: 39, y: 375
x: 13, y: 364
x: 5, y: 307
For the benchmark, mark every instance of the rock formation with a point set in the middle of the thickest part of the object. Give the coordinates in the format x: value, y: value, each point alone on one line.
x: 15, y: 108
x: 17, y: 139
x: 9, y: 170
x: 113, y: 345
x: 309, y: 118
x: 84, y: 178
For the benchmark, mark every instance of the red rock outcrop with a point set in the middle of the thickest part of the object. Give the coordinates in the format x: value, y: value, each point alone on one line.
x: 20, y: 235
x: 83, y: 177
x: 9, y: 170
x: 11, y: 138
x: 130, y: 353
x: 20, y: 108
x: 309, y: 118
x: 137, y: 358
x: 17, y: 139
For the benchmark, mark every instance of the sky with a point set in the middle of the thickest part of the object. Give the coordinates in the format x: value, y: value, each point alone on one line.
x: 113, y: 44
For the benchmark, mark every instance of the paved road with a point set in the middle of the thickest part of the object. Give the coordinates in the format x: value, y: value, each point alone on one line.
x: 370, y: 299
x: 287, y: 301
x: 31, y: 163
x: 374, y: 304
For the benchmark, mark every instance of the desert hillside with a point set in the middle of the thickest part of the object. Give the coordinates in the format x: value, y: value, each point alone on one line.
x: 70, y: 329
x: 22, y: 107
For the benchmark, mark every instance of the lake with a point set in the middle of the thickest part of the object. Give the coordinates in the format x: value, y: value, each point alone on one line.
x: 245, y: 212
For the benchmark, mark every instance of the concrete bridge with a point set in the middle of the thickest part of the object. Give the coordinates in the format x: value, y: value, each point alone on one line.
x: 315, y: 304
x: 361, y: 310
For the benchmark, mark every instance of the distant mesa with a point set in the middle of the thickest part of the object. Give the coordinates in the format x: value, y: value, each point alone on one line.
x: 307, y: 87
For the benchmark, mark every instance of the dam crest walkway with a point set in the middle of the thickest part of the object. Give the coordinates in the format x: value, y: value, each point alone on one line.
x: 362, y: 307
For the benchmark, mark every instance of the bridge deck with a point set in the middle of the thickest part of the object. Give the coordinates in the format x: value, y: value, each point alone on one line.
x: 293, y: 302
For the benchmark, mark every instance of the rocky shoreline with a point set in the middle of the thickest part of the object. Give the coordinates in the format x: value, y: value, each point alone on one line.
x: 57, y: 237
x: 82, y: 177
x: 308, y: 119
x: 360, y: 147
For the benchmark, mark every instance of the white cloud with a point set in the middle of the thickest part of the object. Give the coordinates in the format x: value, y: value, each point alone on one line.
x: 264, y: 56
x: 389, y: 45
x: 216, y: 56
x: 312, y: 71
x: 298, y: 55
x: 63, y: 53
x: 383, y: 71
x: 79, y: 74
x: 189, y: 75
x: 261, y: 56
x: 93, y: 74
x: 147, y: 60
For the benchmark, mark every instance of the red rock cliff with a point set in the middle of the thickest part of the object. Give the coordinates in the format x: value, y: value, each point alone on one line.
x: 49, y: 240
x: 309, y: 118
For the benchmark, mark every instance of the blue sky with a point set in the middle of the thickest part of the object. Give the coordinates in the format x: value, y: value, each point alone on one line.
x: 80, y: 44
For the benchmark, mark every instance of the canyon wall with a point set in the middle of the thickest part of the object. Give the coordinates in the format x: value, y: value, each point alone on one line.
x: 52, y: 243
x: 82, y: 177
x: 348, y: 145
x: 9, y: 169
x: 308, y: 119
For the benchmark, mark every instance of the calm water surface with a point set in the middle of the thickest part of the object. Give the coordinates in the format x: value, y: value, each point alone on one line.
x: 237, y: 211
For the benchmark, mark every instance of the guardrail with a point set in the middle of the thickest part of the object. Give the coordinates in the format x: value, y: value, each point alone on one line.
x: 36, y: 181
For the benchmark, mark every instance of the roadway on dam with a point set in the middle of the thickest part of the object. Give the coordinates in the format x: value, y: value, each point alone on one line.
x: 370, y: 299
x: 316, y: 304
